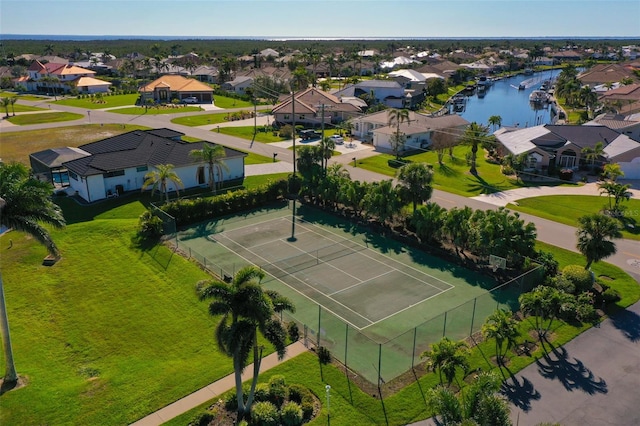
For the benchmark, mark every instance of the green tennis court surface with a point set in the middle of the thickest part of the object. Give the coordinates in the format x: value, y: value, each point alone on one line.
x: 375, y: 303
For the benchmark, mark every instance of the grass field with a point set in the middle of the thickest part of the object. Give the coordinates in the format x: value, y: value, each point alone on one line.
x: 45, y: 117
x: 247, y: 132
x: 22, y: 108
x: 228, y: 103
x: 160, y: 110
x: 104, y: 102
x: 16, y: 146
x: 21, y: 96
x: 201, y: 119
x: 568, y: 208
x: 453, y: 176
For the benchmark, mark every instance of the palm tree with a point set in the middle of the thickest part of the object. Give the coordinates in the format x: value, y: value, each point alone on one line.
x: 616, y: 192
x: 159, y: 179
x: 415, y: 182
x: 12, y: 101
x: 544, y: 303
x: 457, y: 226
x: 395, y: 118
x: 48, y: 49
x: 246, y: 308
x: 327, y: 145
x: 25, y: 203
x: 495, y: 121
x: 593, y: 153
x: 212, y: 155
x: 447, y: 356
x: 595, y: 232
x: 475, y: 134
x: 5, y: 104
x: 501, y: 326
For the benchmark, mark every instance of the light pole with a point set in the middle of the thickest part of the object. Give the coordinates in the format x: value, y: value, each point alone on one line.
x: 328, y: 389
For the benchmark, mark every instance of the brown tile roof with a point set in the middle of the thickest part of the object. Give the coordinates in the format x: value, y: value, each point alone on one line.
x: 606, y: 73
x: 177, y: 83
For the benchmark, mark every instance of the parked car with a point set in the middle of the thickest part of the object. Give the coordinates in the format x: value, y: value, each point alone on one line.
x: 309, y: 134
x: 190, y: 100
x: 337, y: 139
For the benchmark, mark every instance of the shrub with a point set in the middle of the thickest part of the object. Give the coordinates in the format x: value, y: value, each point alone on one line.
x: 277, y: 389
x: 565, y: 174
x: 201, y: 419
x: 563, y: 284
x: 291, y: 414
x: 304, y: 397
x: 548, y: 261
x: 324, y: 355
x: 293, y: 331
x: 149, y: 227
x: 585, y: 312
x: 264, y: 414
x: 286, y: 131
x: 262, y: 392
x: 610, y: 295
x: 507, y: 170
x: 579, y: 277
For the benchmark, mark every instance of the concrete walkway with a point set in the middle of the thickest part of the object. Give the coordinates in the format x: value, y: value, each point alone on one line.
x: 213, y: 390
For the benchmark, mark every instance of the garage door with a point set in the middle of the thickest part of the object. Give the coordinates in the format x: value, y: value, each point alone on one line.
x: 631, y: 169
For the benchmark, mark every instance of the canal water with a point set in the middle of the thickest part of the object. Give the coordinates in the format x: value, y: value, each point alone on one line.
x: 504, y: 99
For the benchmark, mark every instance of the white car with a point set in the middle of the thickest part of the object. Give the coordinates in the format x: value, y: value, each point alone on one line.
x: 190, y: 100
x: 337, y: 139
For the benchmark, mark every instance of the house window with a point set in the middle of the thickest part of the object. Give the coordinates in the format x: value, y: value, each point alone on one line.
x: 73, y: 176
x: 200, y: 174
x: 301, y: 117
x: 113, y: 174
x: 142, y: 169
x: 286, y: 116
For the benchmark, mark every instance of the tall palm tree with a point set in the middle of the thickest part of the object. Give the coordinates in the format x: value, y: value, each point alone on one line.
x: 616, y: 192
x: 495, y: 121
x: 447, y: 356
x: 501, y: 326
x: 595, y: 232
x: 545, y: 304
x: 415, y: 181
x: 159, y: 180
x: 327, y: 145
x: 12, y: 101
x: 395, y: 118
x: 5, y: 104
x: 593, y: 153
x: 25, y: 204
x: 214, y: 156
x: 246, y: 309
x: 475, y: 135
x: 48, y: 49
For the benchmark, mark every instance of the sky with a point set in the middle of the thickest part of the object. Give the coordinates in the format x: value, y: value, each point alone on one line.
x: 324, y: 19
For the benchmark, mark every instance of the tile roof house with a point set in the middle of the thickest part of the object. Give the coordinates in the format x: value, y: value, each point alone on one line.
x: 308, y: 108
x: 625, y: 99
x: 387, y: 92
x: 119, y: 164
x: 606, y: 73
x: 374, y: 128
x: 67, y: 78
x: 169, y: 87
x: 553, y: 146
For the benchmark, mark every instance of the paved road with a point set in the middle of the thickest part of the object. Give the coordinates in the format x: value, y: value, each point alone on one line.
x: 593, y: 380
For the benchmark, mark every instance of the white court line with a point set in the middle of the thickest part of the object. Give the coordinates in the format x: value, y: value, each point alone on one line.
x: 297, y: 291
x: 252, y: 226
x: 383, y: 263
x: 362, y: 282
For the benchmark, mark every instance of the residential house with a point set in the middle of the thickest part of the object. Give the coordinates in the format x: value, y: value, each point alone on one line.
x: 387, y: 92
x: 606, y: 73
x: 311, y: 106
x: 624, y: 99
x: 206, y: 74
x: 62, y: 78
x: 628, y: 125
x: 238, y: 85
x: 115, y: 165
x: 168, y: 87
x: 374, y: 128
x: 553, y: 146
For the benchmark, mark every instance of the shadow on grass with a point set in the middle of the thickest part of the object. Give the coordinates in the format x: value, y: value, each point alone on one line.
x: 445, y: 170
x: 570, y: 372
x: 481, y: 186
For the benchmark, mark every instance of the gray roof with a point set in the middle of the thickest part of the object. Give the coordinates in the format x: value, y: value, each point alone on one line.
x: 54, y: 157
x: 135, y: 149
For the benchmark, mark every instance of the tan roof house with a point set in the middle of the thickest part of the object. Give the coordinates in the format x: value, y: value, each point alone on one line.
x: 62, y: 77
x: 311, y: 106
x: 606, y: 73
x: 169, y: 87
x: 625, y: 99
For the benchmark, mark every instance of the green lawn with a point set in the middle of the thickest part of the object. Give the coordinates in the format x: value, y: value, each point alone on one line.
x: 202, y: 119
x: 104, y: 102
x: 453, y: 176
x: 138, y: 110
x: 568, y: 208
x: 21, y: 96
x: 45, y: 117
x: 247, y: 132
x: 228, y: 103
x: 23, y: 108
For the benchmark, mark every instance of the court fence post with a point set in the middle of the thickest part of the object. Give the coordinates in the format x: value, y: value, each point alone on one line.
x: 346, y: 348
x: 319, y: 318
x: 473, y: 316
x: 413, y: 353
x: 306, y: 336
x: 444, y: 326
x: 379, y: 365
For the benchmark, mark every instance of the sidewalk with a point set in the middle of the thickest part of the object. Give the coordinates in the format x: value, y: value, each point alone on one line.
x: 213, y: 390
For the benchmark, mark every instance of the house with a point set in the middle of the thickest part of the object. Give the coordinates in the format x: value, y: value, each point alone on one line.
x: 238, y: 85
x: 169, y: 87
x: 206, y: 74
x: 628, y: 125
x: 606, y: 73
x: 311, y: 106
x: 625, y: 99
x: 387, y: 92
x: 552, y: 146
x: 111, y: 166
x: 62, y: 78
x: 419, y: 130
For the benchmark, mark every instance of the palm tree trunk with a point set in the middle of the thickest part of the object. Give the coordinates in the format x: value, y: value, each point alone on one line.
x: 257, y: 360
x: 10, y: 374
x: 237, y: 367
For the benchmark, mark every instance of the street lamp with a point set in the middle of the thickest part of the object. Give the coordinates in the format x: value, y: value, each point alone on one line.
x: 328, y: 389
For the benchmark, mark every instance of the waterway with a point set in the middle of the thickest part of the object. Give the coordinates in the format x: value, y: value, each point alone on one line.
x: 503, y: 98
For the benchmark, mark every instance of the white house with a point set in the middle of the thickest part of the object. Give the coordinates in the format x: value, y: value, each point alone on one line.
x: 419, y: 130
x: 387, y: 92
x: 119, y: 164
x: 238, y: 85
x: 62, y: 77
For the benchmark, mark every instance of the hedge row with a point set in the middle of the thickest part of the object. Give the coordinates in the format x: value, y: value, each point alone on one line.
x: 188, y: 211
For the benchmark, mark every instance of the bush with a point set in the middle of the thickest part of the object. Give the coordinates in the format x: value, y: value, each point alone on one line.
x: 264, y: 414
x: 579, y: 277
x: 324, y: 355
x: 286, y: 131
x: 563, y: 284
x: 610, y: 295
x: 262, y: 392
x: 548, y: 261
x: 201, y: 419
x: 293, y: 331
x: 277, y: 389
x: 149, y: 227
x: 508, y: 170
x: 291, y: 414
x: 585, y: 312
x: 566, y: 174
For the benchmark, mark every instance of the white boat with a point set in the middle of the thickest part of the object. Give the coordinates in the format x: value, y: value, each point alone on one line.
x: 539, y: 97
x: 483, y: 80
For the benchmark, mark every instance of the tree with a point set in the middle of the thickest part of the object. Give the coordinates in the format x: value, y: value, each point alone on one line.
x: 495, y: 121
x: 456, y: 225
x: 12, y: 101
x: 246, y: 308
x: 395, y: 118
x: 441, y: 141
x: 544, y: 303
x: 159, y: 179
x: 5, y: 104
x: 48, y: 49
x: 327, y: 145
x: 593, y: 153
x: 475, y: 135
x: 447, y: 356
x: 502, y: 327
x: 415, y: 183
x: 213, y: 155
x: 25, y: 204
x: 382, y: 200
x: 616, y: 192
x: 595, y: 232
x: 428, y: 221
x: 612, y: 172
